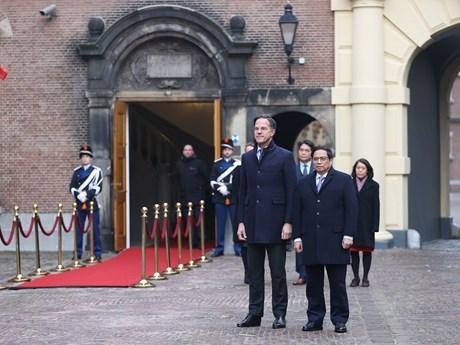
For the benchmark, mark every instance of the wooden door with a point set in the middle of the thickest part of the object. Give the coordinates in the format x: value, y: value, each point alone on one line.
x: 217, y: 128
x: 119, y: 175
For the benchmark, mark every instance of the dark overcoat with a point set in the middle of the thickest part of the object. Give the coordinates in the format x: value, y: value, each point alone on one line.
x: 266, y: 194
x: 192, y: 180
x: 368, y: 214
x: 322, y: 219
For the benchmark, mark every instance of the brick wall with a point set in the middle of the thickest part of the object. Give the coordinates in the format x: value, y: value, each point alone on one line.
x: 43, y: 110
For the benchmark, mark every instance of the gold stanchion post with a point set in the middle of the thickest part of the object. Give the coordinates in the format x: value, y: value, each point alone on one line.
x: 143, y: 283
x: 157, y: 275
x: 60, y: 267
x: 169, y: 270
x: 180, y: 266
x: 38, y: 271
x: 76, y: 261
x: 191, y: 263
x: 19, y: 277
x: 203, y: 258
x: 92, y: 259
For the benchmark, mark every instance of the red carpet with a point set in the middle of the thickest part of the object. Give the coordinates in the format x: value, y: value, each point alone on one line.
x: 123, y: 270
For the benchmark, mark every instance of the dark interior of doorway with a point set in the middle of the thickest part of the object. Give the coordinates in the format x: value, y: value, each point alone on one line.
x: 155, y: 145
x: 289, y: 125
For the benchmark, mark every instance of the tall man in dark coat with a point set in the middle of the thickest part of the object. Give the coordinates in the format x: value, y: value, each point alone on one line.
x: 325, y: 218
x: 265, y: 219
x: 192, y: 178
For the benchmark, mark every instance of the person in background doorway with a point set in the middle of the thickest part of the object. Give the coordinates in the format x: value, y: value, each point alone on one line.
x: 304, y: 168
x: 192, y: 180
x: 236, y: 187
x: 264, y: 220
x: 367, y: 191
x: 325, y: 217
x: 85, y: 186
x: 222, y: 175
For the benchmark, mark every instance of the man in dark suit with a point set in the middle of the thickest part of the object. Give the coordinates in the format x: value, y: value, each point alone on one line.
x: 192, y: 180
x: 324, y: 222
x: 304, y: 168
x: 267, y: 183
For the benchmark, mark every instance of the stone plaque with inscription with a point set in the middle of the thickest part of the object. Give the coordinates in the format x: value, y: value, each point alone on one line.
x: 169, y: 66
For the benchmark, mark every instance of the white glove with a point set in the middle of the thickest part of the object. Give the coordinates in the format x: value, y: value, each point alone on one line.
x: 82, y: 196
x: 223, y: 190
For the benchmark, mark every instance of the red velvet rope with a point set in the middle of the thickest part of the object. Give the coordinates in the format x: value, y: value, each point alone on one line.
x: 31, y: 227
x: 90, y: 220
x: 188, y: 226
x: 178, y: 226
x: 72, y: 219
x: 10, y: 238
x: 200, y: 219
x: 47, y: 233
x: 154, y: 230
x: 164, y: 228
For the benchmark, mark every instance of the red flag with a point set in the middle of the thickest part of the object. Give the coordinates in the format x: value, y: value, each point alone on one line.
x: 3, y: 72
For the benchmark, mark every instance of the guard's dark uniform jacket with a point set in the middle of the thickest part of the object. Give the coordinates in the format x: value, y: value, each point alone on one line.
x: 89, y: 181
x: 222, y: 174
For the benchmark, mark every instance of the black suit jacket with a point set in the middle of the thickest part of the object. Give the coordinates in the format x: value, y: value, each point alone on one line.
x: 266, y: 194
x: 322, y: 219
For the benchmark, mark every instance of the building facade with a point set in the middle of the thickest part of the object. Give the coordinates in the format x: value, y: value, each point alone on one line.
x: 138, y: 79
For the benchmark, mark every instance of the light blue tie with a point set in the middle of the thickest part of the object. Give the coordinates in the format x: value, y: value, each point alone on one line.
x: 319, y: 183
x: 259, y: 154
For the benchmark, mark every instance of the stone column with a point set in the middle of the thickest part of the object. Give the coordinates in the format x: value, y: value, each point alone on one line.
x: 100, y: 140
x: 368, y: 96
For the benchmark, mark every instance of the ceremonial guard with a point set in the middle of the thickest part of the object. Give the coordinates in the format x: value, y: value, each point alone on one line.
x: 223, y: 196
x: 85, y: 186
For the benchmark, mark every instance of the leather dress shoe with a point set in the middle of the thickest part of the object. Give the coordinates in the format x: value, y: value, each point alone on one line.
x: 299, y: 281
x: 250, y: 321
x: 340, y: 327
x: 312, y: 326
x: 354, y: 282
x: 365, y: 283
x: 280, y: 322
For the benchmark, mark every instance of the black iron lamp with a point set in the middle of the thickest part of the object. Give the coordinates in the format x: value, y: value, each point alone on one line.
x: 288, y: 26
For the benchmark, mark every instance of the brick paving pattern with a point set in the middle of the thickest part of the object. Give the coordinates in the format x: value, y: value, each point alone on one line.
x: 413, y: 299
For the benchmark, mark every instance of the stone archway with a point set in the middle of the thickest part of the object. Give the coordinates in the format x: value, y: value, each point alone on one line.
x: 159, y: 52
x: 376, y: 45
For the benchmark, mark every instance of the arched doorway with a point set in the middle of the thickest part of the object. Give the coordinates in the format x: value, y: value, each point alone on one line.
x: 147, y: 71
x: 295, y: 126
x: 430, y: 80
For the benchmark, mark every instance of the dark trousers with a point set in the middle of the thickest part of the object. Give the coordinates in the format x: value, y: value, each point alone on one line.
x: 338, y: 293
x: 222, y: 211
x: 300, y: 266
x: 277, y: 261
x: 82, y: 216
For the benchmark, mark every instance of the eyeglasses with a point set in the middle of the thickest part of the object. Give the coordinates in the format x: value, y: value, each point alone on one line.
x: 320, y: 159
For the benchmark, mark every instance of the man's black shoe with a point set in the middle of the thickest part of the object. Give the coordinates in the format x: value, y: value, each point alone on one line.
x: 98, y: 259
x: 280, y: 322
x: 340, y: 328
x: 250, y: 321
x: 311, y: 326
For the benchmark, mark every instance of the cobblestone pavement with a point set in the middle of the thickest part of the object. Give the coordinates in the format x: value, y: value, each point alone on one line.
x: 413, y: 299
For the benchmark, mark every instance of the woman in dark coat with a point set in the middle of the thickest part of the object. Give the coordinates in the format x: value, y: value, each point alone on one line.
x: 367, y: 191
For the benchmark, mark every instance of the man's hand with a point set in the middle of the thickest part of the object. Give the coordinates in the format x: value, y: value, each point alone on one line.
x: 298, y: 246
x: 286, y: 232
x: 346, y: 243
x: 241, y: 232
x: 82, y: 196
